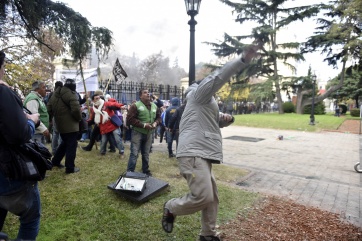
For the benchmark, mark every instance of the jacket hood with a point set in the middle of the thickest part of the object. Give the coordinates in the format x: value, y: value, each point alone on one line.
x: 175, y: 101
x: 107, y: 97
x: 112, y: 100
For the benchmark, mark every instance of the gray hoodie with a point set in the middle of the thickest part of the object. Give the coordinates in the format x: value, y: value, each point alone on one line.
x: 200, y: 134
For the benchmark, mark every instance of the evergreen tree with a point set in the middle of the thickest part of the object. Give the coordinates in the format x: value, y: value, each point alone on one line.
x: 270, y: 17
x: 74, y: 29
x: 339, y: 37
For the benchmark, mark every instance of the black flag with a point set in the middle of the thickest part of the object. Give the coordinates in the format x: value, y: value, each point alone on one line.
x: 118, y: 72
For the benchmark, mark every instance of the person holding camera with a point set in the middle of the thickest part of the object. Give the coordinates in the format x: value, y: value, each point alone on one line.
x: 19, y: 197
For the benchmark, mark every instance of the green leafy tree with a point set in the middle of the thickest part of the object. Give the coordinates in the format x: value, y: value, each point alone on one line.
x: 156, y: 69
x: 302, y: 86
x: 270, y: 17
x: 102, y: 39
x: 339, y: 37
x: 352, y: 85
x: 74, y: 29
x: 27, y: 59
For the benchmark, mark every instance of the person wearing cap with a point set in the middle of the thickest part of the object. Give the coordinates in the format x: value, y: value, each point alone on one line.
x: 64, y: 106
x: 170, y: 136
x: 35, y: 103
x: 200, y: 146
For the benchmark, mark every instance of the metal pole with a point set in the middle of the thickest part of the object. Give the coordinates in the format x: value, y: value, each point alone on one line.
x: 192, y: 24
x: 312, y: 112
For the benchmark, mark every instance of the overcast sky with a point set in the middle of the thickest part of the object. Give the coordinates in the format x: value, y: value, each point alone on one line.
x: 146, y: 27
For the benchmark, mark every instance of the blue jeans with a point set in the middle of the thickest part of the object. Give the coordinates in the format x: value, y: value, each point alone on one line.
x: 21, y: 198
x: 87, y: 134
x: 140, y: 142
x: 115, y: 137
x: 169, y: 138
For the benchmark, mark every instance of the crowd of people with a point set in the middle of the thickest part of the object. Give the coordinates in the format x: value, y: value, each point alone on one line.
x: 194, y: 125
x: 56, y: 119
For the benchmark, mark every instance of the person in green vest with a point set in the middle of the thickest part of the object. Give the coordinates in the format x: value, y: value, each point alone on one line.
x: 35, y: 103
x: 143, y: 117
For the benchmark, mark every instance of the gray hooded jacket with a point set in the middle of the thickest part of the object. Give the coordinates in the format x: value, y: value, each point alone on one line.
x: 200, y: 134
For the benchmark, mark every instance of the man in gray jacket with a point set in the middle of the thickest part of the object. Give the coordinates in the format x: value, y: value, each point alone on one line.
x: 200, y: 145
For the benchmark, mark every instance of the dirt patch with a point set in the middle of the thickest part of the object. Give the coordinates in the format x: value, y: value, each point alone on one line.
x: 275, y: 218
x: 350, y: 126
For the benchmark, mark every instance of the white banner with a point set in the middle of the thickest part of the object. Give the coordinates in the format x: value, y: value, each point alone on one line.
x: 90, y: 77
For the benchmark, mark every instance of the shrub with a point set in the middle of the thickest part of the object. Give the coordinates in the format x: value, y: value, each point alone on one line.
x: 319, y: 109
x: 355, y: 112
x: 288, y: 107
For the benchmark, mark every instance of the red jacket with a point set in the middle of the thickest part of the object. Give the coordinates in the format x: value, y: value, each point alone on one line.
x: 108, y: 106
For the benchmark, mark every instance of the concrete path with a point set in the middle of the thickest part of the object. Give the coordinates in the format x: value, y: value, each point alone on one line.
x: 314, y: 169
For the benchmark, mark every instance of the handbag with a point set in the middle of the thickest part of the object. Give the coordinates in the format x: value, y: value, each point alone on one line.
x: 83, y: 124
x: 116, y: 120
x: 30, y: 161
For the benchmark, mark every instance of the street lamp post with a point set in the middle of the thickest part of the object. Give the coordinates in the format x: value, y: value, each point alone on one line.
x: 192, y: 9
x: 337, y: 112
x: 314, y: 78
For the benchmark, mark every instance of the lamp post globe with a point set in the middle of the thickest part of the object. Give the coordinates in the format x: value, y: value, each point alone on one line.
x: 192, y: 9
x: 314, y: 79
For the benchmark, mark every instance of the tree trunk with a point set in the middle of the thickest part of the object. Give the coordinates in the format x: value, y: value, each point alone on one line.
x: 320, y: 98
x: 276, y: 76
x: 300, y: 96
x: 356, y: 99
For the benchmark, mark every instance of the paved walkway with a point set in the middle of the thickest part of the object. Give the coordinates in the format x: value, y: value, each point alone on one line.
x: 311, y: 168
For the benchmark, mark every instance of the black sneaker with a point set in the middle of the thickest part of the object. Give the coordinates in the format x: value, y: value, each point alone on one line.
x: 209, y: 238
x: 74, y: 170
x: 171, y: 155
x: 148, y: 173
x: 167, y: 220
x: 84, y: 148
x: 58, y: 165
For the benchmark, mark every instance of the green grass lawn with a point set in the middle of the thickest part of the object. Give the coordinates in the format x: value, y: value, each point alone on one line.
x: 81, y: 207
x: 291, y: 121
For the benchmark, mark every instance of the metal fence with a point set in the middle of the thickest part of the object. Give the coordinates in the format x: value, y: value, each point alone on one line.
x: 126, y: 92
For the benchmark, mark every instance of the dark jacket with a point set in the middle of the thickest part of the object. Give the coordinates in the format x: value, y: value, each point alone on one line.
x: 158, y: 103
x: 171, y: 110
x: 64, y: 106
x: 14, y: 127
x: 174, y: 123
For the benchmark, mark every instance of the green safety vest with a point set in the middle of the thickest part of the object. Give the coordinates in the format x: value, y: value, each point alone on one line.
x: 43, y: 112
x: 145, y: 115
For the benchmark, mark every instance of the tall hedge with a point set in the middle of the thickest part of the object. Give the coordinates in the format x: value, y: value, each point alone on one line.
x: 288, y: 107
x: 319, y: 109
